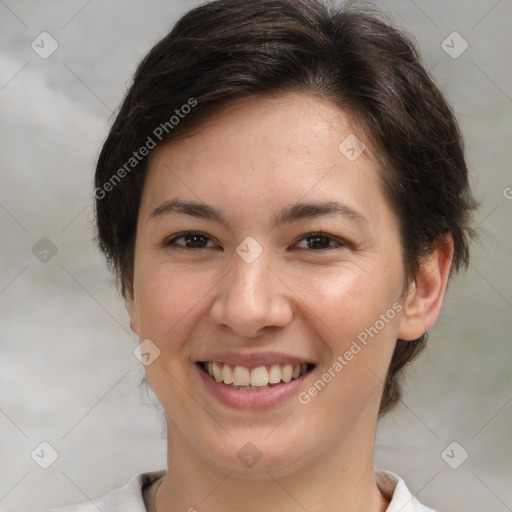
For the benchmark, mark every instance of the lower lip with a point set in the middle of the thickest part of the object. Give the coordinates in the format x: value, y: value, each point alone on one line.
x: 263, y: 399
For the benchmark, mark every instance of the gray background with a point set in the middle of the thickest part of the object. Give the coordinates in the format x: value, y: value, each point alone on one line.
x: 67, y: 372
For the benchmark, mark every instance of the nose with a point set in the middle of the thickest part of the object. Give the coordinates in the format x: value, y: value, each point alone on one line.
x: 251, y: 299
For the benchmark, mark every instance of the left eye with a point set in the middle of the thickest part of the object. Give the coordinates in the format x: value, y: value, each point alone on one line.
x: 319, y: 241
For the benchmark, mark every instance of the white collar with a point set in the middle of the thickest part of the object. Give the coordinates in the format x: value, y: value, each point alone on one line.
x: 129, y: 498
x: 393, y: 486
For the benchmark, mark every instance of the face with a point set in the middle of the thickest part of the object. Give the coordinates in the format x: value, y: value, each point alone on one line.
x: 261, y: 247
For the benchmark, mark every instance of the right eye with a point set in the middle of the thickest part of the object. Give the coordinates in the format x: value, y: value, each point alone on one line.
x: 192, y: 240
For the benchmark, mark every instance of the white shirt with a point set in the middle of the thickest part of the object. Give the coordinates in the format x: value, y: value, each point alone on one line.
x: 130, y: 497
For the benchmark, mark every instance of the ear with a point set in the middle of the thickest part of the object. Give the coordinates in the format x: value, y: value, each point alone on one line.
x: 426, y: 293
x: 131, y: 306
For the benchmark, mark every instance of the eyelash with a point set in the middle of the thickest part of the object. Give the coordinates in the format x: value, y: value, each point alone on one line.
x: 170, y: 243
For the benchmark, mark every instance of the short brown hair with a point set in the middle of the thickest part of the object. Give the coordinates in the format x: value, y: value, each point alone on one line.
x: 227, y: 50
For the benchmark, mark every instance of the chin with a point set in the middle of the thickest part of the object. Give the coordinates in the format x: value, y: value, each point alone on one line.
x: 255, y: 458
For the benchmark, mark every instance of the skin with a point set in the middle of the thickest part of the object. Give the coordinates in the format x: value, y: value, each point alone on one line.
x: 249, y: 161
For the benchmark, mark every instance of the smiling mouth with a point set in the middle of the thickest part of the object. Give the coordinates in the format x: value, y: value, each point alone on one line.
x: 254, y: 379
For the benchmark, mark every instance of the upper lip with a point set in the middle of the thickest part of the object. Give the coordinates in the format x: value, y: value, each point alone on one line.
x: 254, y: 359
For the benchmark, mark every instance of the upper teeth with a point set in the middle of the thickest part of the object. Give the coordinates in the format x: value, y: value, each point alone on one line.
x: 260, y: 376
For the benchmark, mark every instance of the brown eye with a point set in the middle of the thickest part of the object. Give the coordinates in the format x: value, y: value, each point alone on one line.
x: 319, y: 241
x: 190, y: 240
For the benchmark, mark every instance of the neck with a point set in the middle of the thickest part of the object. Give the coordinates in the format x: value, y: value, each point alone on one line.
x: 340, y: 478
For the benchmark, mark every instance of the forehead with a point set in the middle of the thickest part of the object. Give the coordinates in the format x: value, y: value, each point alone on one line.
x: 263, y: 152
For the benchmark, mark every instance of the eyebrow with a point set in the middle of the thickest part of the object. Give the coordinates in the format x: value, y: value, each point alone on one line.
x: 286, y: 215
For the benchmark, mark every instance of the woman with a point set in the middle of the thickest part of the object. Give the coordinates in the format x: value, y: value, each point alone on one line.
x: 283, y: 197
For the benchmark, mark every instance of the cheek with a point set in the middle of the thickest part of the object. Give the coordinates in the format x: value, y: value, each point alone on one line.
x: 170, y: 298
x: 347, y: 300
x: 358, y: 319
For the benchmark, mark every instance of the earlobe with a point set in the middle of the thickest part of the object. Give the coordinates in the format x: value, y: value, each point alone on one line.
x: 131, y: 307
x: 426, y: 293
